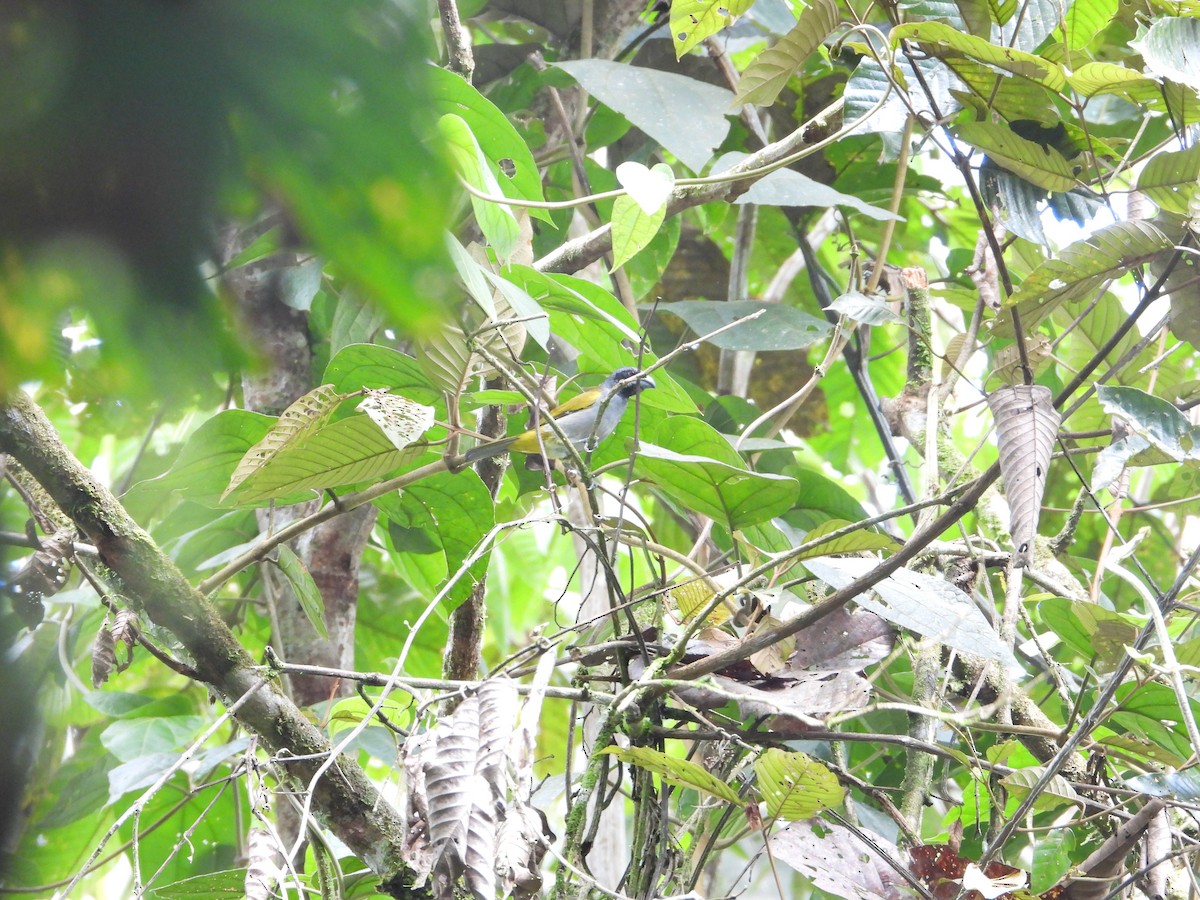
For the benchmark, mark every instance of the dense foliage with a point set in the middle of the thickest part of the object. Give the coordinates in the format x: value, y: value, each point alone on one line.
x: 898, y: 551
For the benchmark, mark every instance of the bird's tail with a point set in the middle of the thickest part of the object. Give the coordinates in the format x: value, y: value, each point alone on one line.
x: 487, y: 450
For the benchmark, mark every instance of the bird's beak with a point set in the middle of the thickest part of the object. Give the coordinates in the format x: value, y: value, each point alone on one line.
x: 646, y: 383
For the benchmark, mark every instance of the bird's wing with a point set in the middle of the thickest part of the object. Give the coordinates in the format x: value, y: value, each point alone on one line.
x: 578, y: 402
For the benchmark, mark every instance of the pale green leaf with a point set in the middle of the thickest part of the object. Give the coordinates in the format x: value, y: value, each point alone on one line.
x: 1093, y: 78
x: 685, y: 115
x: 694, y: 20
x: 794, y: 785
x: 1080, y: 270
x: 1085, y: 19
x: 300, y: 420
x: 632, y: 229
x: 496, y: 219
x: 1037, y: 164
x: 767, y: 75
x: 1171, y: 179
x: 676, y: 771
x: 305, y: 589
x: 777, y: 326
x: 349, y: 451
x: 1171, y: 49
x: 854, y: 542
x: 945, y: 42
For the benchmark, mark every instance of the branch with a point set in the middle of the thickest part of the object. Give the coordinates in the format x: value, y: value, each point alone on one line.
x: 346, y: 802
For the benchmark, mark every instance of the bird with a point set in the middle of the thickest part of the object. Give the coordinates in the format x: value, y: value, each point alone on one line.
x: 585, y: 419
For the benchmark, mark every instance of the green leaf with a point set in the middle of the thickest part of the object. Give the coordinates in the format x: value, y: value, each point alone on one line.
x: 596, y: 324
x: 1085, y: 20
x: 676, y: 771
x: 306, y: 590
x: 854, y: 542
x: 1051, y: 859
x: 457, y: 511
x: 1152, y: 711
x: 299, y: 422
x: 684, y: 115
x: 977, y: 14
x: 1097, y: 636
x: 710, y: 477
x: 496, y: 219
x: 794, y: 785
x: 778, y: 327
x: 650, y: 188
x: 1172, y: 179
x: 786, y: 187
x: 859, y: 307
x: 1012, y: 98
x: 768, y: 74
x: 1038, y: 164
x: 361, y: 366
x: 497, y: 137
x: 694, y: 20
x: 228, y: 883
x: 349, y: 451
x: 354, y: 321
x: 632, y: 229
x: 202, y: 470
x: 945, y: 42
x: 1094, y: 78
x: 1057, y: 791
x: 1080, y: 270
x: 311, y: 90
x: 1156, y: 420
x: 1170, y: 49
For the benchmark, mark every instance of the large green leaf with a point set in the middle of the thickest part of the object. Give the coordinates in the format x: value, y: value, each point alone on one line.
x: 946, y: 43
x: 778, y: 327
x: 497, y: 220
x: 454, y: 512
x: 1170, y: 49
x: 202, y: 470
x: 695, y: 466
x: 361, y: 366
x: 1172, y: 179
x: 787, y: 187
x: 1156, y: 420
x: 1086, y: 19
x: 1036, y: 163
x: 308, y: 595
x: 1094, y: 78
x: 313, y: 87
x: 684, y: 115
x: 794, y: 785
x: 764, y: 78
x: 694, y: 20
x: 349, y: 451
x: 1080, y: 270
x: 497, y: 137
x: 676, y: 771
x: 301, y: 420
x: 632, y: 229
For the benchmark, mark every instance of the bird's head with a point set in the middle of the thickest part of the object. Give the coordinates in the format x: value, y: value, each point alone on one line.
x: 633, y: 388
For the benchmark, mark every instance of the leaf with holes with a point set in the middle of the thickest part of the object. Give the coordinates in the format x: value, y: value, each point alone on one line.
x: 308, y: 595
x: 497, y: 220
x: 299, y: 421
x: 401, y: 419
x: 1080, y: 270
x: 794, y: 785
x: 676, y: 771
x: 694, y: 20
x: 767, y: 75
x: 1026, y: 428
x: 925, y: 604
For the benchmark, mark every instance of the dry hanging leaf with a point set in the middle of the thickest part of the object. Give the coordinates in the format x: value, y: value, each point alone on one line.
x: 1026, y: 426
x: 104, y: 656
